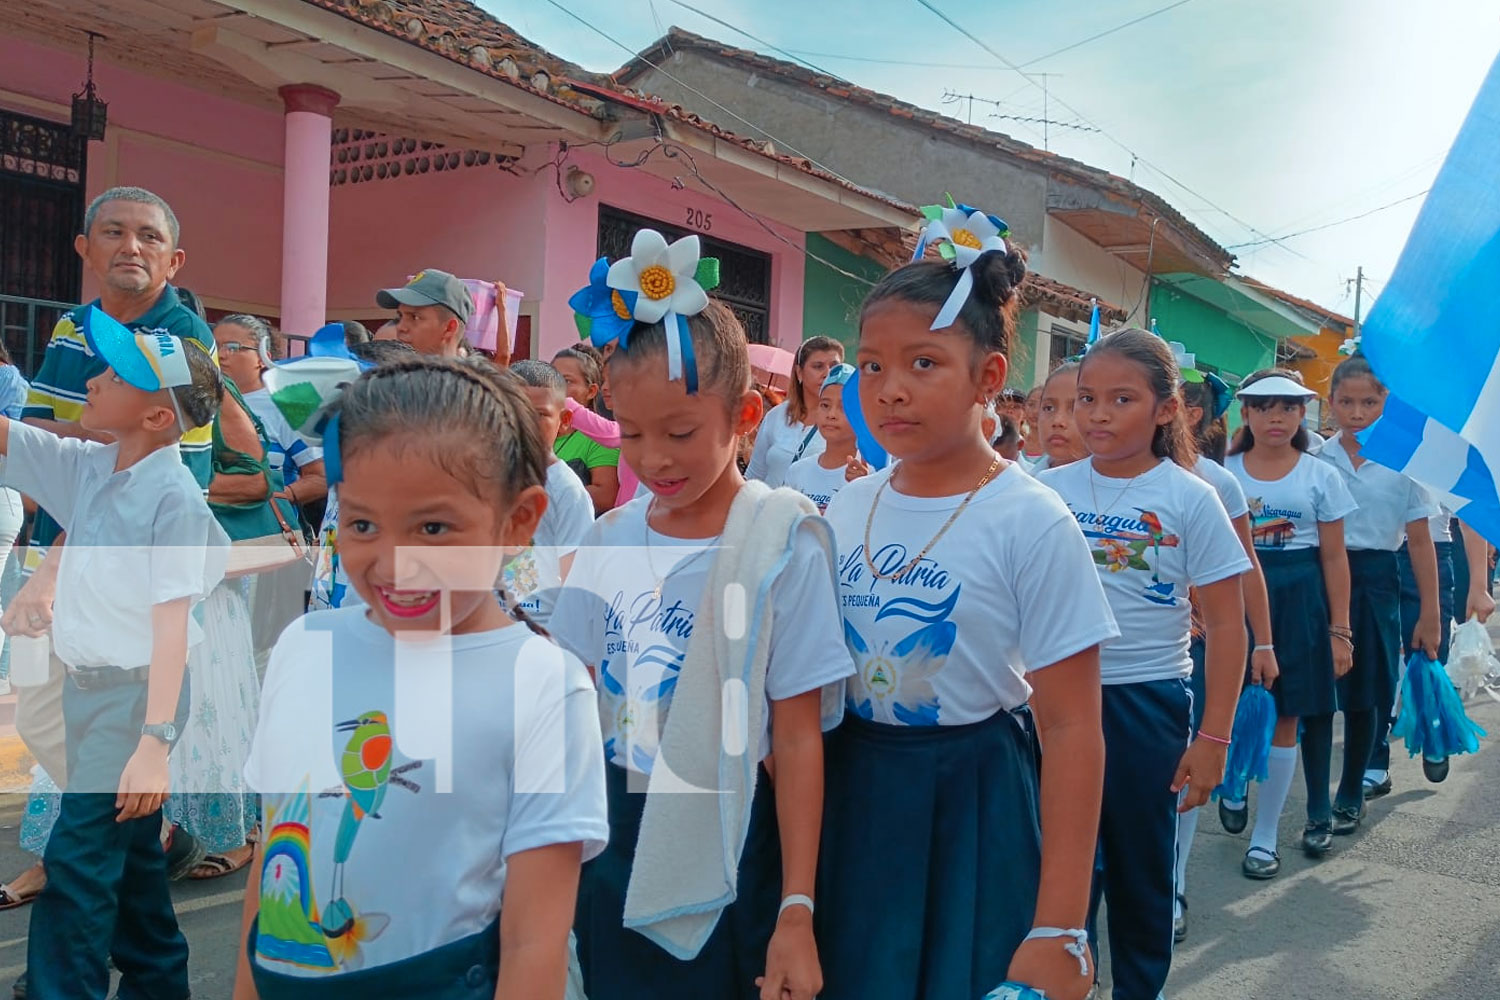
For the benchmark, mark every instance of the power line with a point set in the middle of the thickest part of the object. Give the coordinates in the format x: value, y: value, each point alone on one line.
x: 1330, y: 225
x: 1030, y: 78
x: 759, y: 41
x: 696, y: 92
x: 1106, y: 32
x: 1029, y: 62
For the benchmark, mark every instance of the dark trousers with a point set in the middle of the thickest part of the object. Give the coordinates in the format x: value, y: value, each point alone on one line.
x: 1453, y: 597
x: 1146, y: 731
x: 106, y: 892
x: 466, y: 969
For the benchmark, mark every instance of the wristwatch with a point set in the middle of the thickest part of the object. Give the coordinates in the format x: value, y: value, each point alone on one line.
x: 165, y: 731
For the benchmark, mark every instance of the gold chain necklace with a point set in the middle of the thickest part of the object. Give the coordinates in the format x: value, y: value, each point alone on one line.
x: 870, y: 521
x: 1095, y: 496
x: 661, y: 581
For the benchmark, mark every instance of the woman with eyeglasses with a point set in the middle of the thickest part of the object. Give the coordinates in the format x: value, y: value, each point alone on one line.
x: 244, y: 344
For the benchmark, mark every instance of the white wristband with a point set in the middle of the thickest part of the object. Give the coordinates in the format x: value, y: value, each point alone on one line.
x: 1077, y: 947
x: 1267, y: 648
x: 795, y: 899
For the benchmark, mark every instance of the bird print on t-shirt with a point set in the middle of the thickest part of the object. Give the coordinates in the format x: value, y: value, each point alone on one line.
x: 897, y: 675
x: 1121, y: 543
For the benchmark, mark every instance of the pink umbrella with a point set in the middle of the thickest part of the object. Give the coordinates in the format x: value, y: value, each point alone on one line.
x: 775, y: 360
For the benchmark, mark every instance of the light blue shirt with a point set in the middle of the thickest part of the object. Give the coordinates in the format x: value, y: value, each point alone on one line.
x: 1388, y: 501
x: 13, y: 390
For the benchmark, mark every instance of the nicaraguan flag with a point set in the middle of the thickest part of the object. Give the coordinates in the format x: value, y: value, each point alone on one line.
x: 1433, y: 337
x: 1409, y: 441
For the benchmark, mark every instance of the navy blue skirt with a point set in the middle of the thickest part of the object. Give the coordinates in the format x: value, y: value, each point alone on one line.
x: 1411, y: 597
x: 621, y: 964
x: 1299, y: 626
x: 1375, y: 618
x: 466, y: 969
x: 930, y: 860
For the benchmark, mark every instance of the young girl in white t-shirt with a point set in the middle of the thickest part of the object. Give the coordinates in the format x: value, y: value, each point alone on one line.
x: 429, y: 767
x: 821, y: 477
x: 1061, y: 442
x: 1204, y: 405
x: 1297, y: 506
x: 789, y: 431
x: 1157, y: 531
x: 967, y: 592
x: 710, y: 599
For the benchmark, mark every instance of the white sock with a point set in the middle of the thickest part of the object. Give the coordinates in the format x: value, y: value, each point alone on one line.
x: 1281, y: 769
x: 1233, y: 805
x: 1376, y: 776
x: 1187, y: 828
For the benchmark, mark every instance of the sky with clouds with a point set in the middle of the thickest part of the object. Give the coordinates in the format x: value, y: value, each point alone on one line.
x: 1256, y: 118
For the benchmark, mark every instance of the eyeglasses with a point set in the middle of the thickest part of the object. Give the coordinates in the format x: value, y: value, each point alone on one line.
x: 233, y: 348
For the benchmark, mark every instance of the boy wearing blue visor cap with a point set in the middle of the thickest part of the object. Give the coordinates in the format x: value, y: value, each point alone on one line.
x: 142, y: 549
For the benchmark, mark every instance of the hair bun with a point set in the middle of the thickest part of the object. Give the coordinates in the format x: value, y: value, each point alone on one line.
x: 997, y: 275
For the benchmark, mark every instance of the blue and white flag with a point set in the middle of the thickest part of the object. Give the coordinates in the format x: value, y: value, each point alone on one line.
x: 1094, y: 323
x: 1433, y: 337
x: 1412, y: 443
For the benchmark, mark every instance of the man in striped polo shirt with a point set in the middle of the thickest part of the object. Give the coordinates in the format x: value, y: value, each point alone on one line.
x: 130, y: 246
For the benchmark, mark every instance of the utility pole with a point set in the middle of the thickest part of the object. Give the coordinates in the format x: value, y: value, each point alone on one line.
x: 1359, y: 282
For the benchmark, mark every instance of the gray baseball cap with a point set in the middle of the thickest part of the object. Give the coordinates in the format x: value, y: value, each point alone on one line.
x: 430, y: 287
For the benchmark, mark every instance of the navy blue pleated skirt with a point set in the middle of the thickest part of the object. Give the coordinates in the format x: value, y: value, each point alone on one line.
x: 621, y: 964
x: 466, y: 969
x: 1299, y: 627
x: 930, y: 860
x: 1375, y: 618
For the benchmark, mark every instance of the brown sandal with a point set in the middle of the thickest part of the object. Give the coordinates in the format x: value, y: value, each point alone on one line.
x: 218, y: 865
x: 10, y: 899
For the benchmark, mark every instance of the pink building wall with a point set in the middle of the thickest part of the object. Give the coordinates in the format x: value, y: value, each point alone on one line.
x: 218, y: 162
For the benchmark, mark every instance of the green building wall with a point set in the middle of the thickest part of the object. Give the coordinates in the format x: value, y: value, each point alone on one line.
x: 1214, y: 336
x: 830, y: 300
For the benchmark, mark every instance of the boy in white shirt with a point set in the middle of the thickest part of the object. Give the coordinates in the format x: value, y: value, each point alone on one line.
x: 534, y: 577
x: 143, y: 549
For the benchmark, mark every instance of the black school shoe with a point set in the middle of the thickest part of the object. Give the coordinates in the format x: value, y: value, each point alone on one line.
x: 1375, y: 789
x: 1260, y: 864
x: 1435, y: 770
x: 18, y: 991
x: 1347, y: 819
x: 1234, y: 820
x: 1317, y: 839
x: 1179, y: 922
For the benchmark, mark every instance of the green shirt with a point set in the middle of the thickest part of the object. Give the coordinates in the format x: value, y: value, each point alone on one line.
x: 61, y: 385
x: 578, y: 446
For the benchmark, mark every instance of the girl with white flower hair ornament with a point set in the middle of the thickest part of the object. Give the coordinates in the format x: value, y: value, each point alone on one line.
x: 974, y: 614
x: 707, y: 610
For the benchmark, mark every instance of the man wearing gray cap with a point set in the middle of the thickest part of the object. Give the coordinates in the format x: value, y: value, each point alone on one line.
x: 432, y: 310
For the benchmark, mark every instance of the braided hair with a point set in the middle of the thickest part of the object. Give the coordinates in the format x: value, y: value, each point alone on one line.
x: 489, y: 436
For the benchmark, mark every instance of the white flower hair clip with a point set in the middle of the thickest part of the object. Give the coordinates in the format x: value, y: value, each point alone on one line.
x: 1350, y: 347
x: 962, y: 233
x: 662, y: 283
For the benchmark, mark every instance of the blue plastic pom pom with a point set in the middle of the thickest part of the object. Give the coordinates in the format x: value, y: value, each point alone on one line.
x: 1432, y: 721
x: 1249, y: 744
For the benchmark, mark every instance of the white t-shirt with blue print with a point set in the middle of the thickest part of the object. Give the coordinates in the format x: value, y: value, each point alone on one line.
x: 611, y: 616
x: 1010, y: 587
x: 1152, y: 538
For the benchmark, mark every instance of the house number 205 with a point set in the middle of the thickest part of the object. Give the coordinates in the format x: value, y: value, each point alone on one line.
x: 700, y: 220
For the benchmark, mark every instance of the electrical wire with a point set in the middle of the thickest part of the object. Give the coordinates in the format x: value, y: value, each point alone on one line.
x: 1030, y: 78
x: 758, y: 41
x: 1029, y: 62
x: 675, y: 151
x: 1330, y: 225
x: 695, y: 92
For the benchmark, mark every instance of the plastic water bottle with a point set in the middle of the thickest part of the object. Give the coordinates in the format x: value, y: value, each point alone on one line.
x: 29, y: 660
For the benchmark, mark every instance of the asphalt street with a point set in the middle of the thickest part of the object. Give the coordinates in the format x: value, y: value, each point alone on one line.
x: 1406, y: 909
